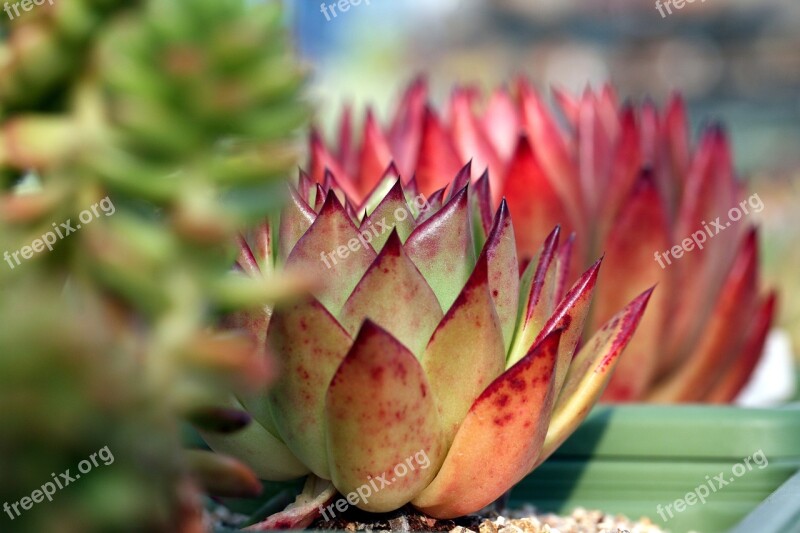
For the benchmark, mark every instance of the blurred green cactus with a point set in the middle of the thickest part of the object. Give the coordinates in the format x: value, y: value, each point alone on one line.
x: 156, y: 130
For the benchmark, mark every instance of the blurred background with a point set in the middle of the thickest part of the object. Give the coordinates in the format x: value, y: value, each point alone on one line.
x: 735, y: 61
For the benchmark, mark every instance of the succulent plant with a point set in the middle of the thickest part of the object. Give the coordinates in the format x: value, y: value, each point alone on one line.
x: 72, y: 392
x: 182, y: 118
x: 421, y: 337
x: 631, y: 184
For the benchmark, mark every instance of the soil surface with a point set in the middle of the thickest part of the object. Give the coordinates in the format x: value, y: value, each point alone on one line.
x: 517, y: 521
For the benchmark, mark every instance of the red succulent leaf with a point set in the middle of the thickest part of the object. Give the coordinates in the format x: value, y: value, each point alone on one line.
x: 589, y: 373
x: 396, y: 296
x: 482, y: 202
x: 433, y: 205
x: 470, y: 138
x: 405, y: 134
x: 393, y: 212
x: 374, y: 157
x: 322, y: 161
x: 501, y: 256
x: 461, y: 180
x: 569, y: 106
x: 677, y: 135
x: 735, y: 377
x: 469, y: 336
x: 380, y: 392
x: 593, y: 150
x: 447, y: 234
x: 641, y: 229
x: 501, y: 123
x: 331, y: 254
x: 525, y: 174
x: 570, y: 317
x: 438, y: 159
x: 626, y: 165
x: 551, y: 150
x: 730, y: 316
x: 296, y: 218
x: 309, y: 345
x: 511, y: 415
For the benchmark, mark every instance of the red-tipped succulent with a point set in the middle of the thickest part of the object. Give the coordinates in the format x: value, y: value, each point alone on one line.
x: 630, y: 184
x: 421, y: 340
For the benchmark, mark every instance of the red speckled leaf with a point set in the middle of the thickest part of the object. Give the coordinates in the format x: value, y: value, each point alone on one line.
x: 564, y: 262
x: 525, y: 176
x: 394, y: 295
x: 735, y: 377
x: 319, y: 197
x: 570, y: 316
x: 469, y: 337
x: 642, y: 228
x: 589, y: 373
x: 393, y: 212
x: 381, y: 414
x: 511, y: 415
x: 351, y: 211
x: 482, y: 204
x: 296, y: 217
x: 438, y: 160
x: 730, y: 315
x: 501, y: 255
x: 331, y: 254
x: 434, y: 205
x: 536, y: 291
x: 461, y: 180
x: 443, y: 249
x: 309, y: 345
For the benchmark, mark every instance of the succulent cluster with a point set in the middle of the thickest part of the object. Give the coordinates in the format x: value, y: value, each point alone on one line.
x: 181, y: 117
x: 631, y: 184
x: 423, y: 337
